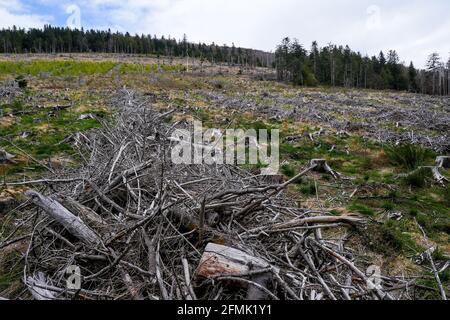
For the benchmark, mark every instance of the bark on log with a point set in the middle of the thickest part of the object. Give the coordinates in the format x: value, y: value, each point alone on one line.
x: 218, y: 260
x: 69, y: 221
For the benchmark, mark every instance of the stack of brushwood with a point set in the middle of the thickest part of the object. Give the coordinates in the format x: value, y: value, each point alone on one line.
x: 130, y: 224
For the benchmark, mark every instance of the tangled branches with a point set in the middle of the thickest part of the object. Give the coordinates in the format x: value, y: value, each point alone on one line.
x: 138, y: 227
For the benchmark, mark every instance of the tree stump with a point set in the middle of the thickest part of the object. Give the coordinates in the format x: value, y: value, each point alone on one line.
x: 218, y: 260
x: 443, y: 162
x: 322, y: 166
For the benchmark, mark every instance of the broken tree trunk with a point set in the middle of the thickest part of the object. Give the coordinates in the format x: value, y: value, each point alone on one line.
x: 69, y: 221
x: 322, y: 166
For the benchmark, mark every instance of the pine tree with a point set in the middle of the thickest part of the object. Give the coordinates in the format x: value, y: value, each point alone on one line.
x: 412, y: 75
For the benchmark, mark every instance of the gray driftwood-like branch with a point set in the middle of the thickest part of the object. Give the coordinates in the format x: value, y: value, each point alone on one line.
x: 63, y: 216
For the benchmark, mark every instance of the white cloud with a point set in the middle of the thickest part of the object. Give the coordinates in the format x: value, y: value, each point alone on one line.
x: 14, y: 12
x: 414, y: 28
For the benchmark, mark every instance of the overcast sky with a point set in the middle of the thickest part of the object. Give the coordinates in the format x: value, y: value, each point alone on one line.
x: 414, y: 28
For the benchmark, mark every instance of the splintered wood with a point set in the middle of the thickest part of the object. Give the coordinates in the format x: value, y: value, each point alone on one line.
x: 218, y: 260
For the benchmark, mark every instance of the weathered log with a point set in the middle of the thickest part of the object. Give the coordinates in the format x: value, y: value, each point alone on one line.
x: 69, y: 221
x: 438, y: 176
x: 85, y: 213
x: 221, y: 261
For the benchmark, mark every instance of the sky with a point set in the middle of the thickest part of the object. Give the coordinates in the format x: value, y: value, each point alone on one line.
x: 414, y: 28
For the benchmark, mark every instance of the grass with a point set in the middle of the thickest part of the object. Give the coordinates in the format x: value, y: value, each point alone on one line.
x: 78, y: 68
x: 309, y: 188
x: 408, y: 156
x: 417, y: 178
x: 361, y: 208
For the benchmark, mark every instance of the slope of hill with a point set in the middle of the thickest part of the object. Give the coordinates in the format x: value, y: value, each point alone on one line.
x: 380, y: 143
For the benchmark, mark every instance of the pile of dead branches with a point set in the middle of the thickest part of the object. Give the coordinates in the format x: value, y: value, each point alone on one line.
x: 9, y: 90
x: 129, y: 224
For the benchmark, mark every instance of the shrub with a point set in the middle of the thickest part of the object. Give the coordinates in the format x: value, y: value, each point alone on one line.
x: 388, y: 206
x: 22, y: 82
x: 417, y: 178
x: 446, y: 194
x: 408, y: 156
x: 362, y: 209
x: 288, y: 170
x: 309, y: 189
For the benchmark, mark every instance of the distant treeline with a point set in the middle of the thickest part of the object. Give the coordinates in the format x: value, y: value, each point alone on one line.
x: 65, y: 40
x: 340, y: 66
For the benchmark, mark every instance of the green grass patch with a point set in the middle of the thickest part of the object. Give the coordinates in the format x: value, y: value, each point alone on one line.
x: 78, y: 68
x: 408, y: 156
x: 361, y: 208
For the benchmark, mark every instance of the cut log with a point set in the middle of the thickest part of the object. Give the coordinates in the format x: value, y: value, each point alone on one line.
x: 443, y: 162
x: 221, y: 261
x: 218, y: 260
x: 69, y: 221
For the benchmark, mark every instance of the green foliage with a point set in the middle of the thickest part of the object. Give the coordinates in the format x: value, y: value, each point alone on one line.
x: 388, y: 205
x: 309, y: 188
x: 288, y: 171
x: 21, y: 82
x: 417, y: 178
x: 397, y: 235
x: 361, y: 208
x: 53, y: 40
x: 446, y: 195
x: 77, y: 68
x: 408, y: 156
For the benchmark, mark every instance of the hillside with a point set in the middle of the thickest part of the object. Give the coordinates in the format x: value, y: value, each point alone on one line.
x: 381, y: 147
